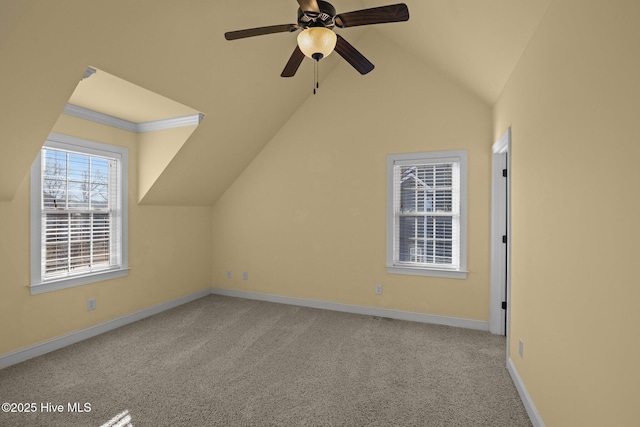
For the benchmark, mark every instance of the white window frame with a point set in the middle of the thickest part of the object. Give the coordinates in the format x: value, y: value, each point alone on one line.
x: 68, y: 143
x: 424, y: 158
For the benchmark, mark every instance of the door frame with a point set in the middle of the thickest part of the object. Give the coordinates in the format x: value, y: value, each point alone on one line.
x: 500, y: 289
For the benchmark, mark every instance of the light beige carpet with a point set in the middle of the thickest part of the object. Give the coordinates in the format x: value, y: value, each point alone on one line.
x: 222, y: 361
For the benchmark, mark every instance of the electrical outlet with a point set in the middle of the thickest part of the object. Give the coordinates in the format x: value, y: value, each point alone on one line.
x: 91, y: 304
x: 378, y: 289
x: 228, y: 275
x: 521, y: 348
x: 245, y: 275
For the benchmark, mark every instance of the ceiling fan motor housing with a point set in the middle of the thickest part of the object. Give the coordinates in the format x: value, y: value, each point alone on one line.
x: 326, y: 17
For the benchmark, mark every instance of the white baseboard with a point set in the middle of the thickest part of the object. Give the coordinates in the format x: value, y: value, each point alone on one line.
x: 534, y: 416
x: 357, y: 309
x: 74, y: 337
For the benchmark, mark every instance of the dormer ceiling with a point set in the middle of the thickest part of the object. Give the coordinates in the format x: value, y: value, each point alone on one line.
x: 107, y: 94
x: 177, y: 50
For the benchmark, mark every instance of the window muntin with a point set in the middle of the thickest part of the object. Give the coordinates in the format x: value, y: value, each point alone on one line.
x: 427, y: 216
x: 78, y: 213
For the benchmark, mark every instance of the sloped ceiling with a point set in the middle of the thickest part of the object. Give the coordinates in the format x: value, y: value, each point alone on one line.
x: 475, y: 42
x: 116, y: 97
x: 177, y: 50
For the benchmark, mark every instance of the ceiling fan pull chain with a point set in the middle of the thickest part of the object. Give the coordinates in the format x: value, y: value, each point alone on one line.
x: 315, y: 76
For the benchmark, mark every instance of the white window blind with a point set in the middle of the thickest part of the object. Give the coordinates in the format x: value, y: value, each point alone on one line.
x: 426, y: 215
x: 79, y: 205
x: 80, y: 213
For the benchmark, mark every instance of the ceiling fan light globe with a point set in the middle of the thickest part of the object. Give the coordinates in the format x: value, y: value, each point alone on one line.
x: 317, y: 40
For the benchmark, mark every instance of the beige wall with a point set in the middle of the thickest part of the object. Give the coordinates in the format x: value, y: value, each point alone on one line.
x: 573, y: 104
x: 156, y: 150
x: 169, y: 255
x: 307, y: 217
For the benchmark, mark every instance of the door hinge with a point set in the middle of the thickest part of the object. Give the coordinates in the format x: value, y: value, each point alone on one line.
x: 504, y: 173
x: 504, y: 239
x: 504, y: 305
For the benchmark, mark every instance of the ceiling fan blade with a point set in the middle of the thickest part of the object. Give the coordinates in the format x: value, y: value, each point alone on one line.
x: 309, y: 6
x: 352, y: 56
x: 376, y: 15
x: 259, y: 31
x: 294, y: 62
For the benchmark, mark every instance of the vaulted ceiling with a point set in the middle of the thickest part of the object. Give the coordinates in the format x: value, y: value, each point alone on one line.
x: 177, y: 50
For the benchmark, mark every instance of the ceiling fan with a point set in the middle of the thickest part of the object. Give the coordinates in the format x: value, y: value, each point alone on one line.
x: 316, y: 19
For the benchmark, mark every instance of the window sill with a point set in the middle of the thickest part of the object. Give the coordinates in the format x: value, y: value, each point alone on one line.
x: 432, y: 272
x: 69, y: 282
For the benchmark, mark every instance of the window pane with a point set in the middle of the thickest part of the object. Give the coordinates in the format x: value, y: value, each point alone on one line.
x: 442, y: 175
x: 78, y: 195
x: 101, y: 252
x: 56, y: 228
x: 443, y: 227
x: 57, y: 258
x: 55, y: 165
x: 425, y: 239
x: 99, y: 196
x: 406, y: 237
x: 99, y: 170
x: 78, y: 167
x: 442, y: 252
x: 54, y: 193
x: 426, y: 188
x: 54, y: 182
x: 80, y: 227
x: 101, y: 227
x: 76, y: 241
x: 443, y: 200
x: 80, y: 254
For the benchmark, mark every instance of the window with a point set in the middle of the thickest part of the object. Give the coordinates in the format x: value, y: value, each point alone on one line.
x: 426, y: 213
x: 78, y: 213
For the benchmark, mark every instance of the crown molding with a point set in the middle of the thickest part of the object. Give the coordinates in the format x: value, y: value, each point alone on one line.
x: 173, y: 122
x: 105, y: 119
x: 94, y: 116
x: 88, y: 73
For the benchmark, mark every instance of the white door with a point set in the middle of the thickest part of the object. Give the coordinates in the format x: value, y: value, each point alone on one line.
x: 500, y: 236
